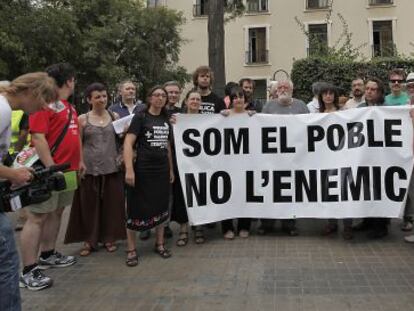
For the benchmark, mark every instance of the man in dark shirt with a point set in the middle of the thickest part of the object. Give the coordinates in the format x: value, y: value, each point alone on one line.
x: 247, y: 85
x: 173, y: 89
x: 127, y: 103
x: 374, y: 96
x: 210, y: 102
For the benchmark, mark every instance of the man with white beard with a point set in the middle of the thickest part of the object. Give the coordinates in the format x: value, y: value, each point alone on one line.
x: 284, y: 104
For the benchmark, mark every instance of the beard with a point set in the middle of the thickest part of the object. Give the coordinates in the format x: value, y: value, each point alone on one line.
x: 358, y: 93
x: 284, y: 98
x: 203, y: 87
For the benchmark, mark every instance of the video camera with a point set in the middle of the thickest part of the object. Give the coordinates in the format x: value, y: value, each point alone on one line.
x: 45, y: 180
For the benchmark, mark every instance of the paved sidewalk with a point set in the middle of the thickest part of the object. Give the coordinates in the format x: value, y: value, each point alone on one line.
x: 308, y: 272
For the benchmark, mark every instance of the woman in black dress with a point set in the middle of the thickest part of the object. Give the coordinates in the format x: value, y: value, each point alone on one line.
x: 148, y: 177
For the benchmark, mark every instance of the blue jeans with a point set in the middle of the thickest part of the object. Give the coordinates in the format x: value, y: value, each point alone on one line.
x: 9, y: 267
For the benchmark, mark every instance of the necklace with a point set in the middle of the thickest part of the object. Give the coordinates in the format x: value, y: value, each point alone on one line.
x: 100, y: 119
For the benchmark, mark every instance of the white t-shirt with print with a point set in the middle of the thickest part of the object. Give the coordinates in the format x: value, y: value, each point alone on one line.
x: 5, y: 127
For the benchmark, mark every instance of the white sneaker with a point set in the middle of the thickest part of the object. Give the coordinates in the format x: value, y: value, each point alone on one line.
x: 35, y: 280
x: 57, y: 260
x: 409, y: 239
x: 407, y: 225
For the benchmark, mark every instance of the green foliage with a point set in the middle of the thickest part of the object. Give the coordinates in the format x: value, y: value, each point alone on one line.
x: 233, y: 9
x: 106, y: 40
x: 341, y: 50
x: 341, y: 73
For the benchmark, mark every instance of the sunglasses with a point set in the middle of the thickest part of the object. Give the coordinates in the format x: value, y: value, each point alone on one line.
x: 397, y: 81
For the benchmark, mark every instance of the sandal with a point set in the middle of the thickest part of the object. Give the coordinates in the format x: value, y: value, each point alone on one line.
x: 110, y: 247
x: 199, y: 236
x: 183, y: 239
x: 86, y: 250
x: 229, y: 235
x: 162, y: 251
x: 132, y: 258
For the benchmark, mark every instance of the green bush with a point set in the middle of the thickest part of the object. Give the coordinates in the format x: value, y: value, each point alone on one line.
x: 341, y: 73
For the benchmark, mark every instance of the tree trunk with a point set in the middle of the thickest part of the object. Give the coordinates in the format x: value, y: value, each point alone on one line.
x: 216, y: 44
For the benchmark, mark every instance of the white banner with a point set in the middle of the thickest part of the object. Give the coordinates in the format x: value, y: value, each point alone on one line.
x: 354, y: 163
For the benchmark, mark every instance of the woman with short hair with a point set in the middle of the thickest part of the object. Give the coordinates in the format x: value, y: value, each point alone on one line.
x: 329, y: 102
x: 98, y: 209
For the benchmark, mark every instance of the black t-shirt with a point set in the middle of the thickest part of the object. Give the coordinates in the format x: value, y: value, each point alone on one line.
x: 153, y: 136
x: 174, y: 109
x: 211, y: 104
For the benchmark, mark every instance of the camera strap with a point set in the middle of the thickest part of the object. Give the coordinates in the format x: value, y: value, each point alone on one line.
x: 62, y: 134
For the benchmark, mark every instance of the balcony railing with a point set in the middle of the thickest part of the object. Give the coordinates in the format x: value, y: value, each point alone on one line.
x: 200, y: 9
x: 381, y: 2
x: 257, y: 6
x: 383, y: 50
x: 317, y: 4
x: 257, y: 57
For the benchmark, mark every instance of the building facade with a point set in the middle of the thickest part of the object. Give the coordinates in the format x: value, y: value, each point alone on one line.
x: 267, y: 39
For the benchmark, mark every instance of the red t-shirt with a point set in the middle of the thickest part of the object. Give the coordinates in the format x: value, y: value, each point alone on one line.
x: 51, y: 123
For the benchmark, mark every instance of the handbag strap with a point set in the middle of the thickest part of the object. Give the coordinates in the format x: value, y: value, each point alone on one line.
x: 62, y: 134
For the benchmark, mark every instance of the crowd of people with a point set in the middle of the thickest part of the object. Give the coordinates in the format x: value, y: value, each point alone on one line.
x: 129, y: 182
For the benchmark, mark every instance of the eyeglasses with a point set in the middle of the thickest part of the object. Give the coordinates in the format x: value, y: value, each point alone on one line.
x: 397, y: 81
x: 159, y: 95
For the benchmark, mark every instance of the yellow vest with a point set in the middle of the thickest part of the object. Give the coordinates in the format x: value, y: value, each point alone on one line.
x: 15, y: 125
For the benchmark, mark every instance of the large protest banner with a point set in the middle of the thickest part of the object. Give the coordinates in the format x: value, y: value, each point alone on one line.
x: 354, y: 163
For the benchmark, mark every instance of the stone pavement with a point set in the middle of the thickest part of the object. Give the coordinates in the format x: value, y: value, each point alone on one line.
x: 308, y: 272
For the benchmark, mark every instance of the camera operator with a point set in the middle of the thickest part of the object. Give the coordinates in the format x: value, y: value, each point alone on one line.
x: 54, y: 129
x: 30, y: 92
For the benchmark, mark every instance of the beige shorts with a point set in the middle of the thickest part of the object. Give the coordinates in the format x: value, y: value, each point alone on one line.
x: 58, y: 199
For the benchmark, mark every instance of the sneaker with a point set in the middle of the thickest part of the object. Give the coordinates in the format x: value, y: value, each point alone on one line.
x: 409, y: 239
x: 57, y: 260
x: 407, y: 225
x: 35, y: 280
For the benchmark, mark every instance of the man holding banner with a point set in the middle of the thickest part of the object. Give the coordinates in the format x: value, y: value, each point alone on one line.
x: 284, y: 104
x: 374, y: 96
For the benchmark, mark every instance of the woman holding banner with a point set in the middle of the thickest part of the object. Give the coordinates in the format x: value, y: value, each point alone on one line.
x: 149, y: 176
x: 329, y: 102
x: 178, y: 210
x: 238, y: 105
